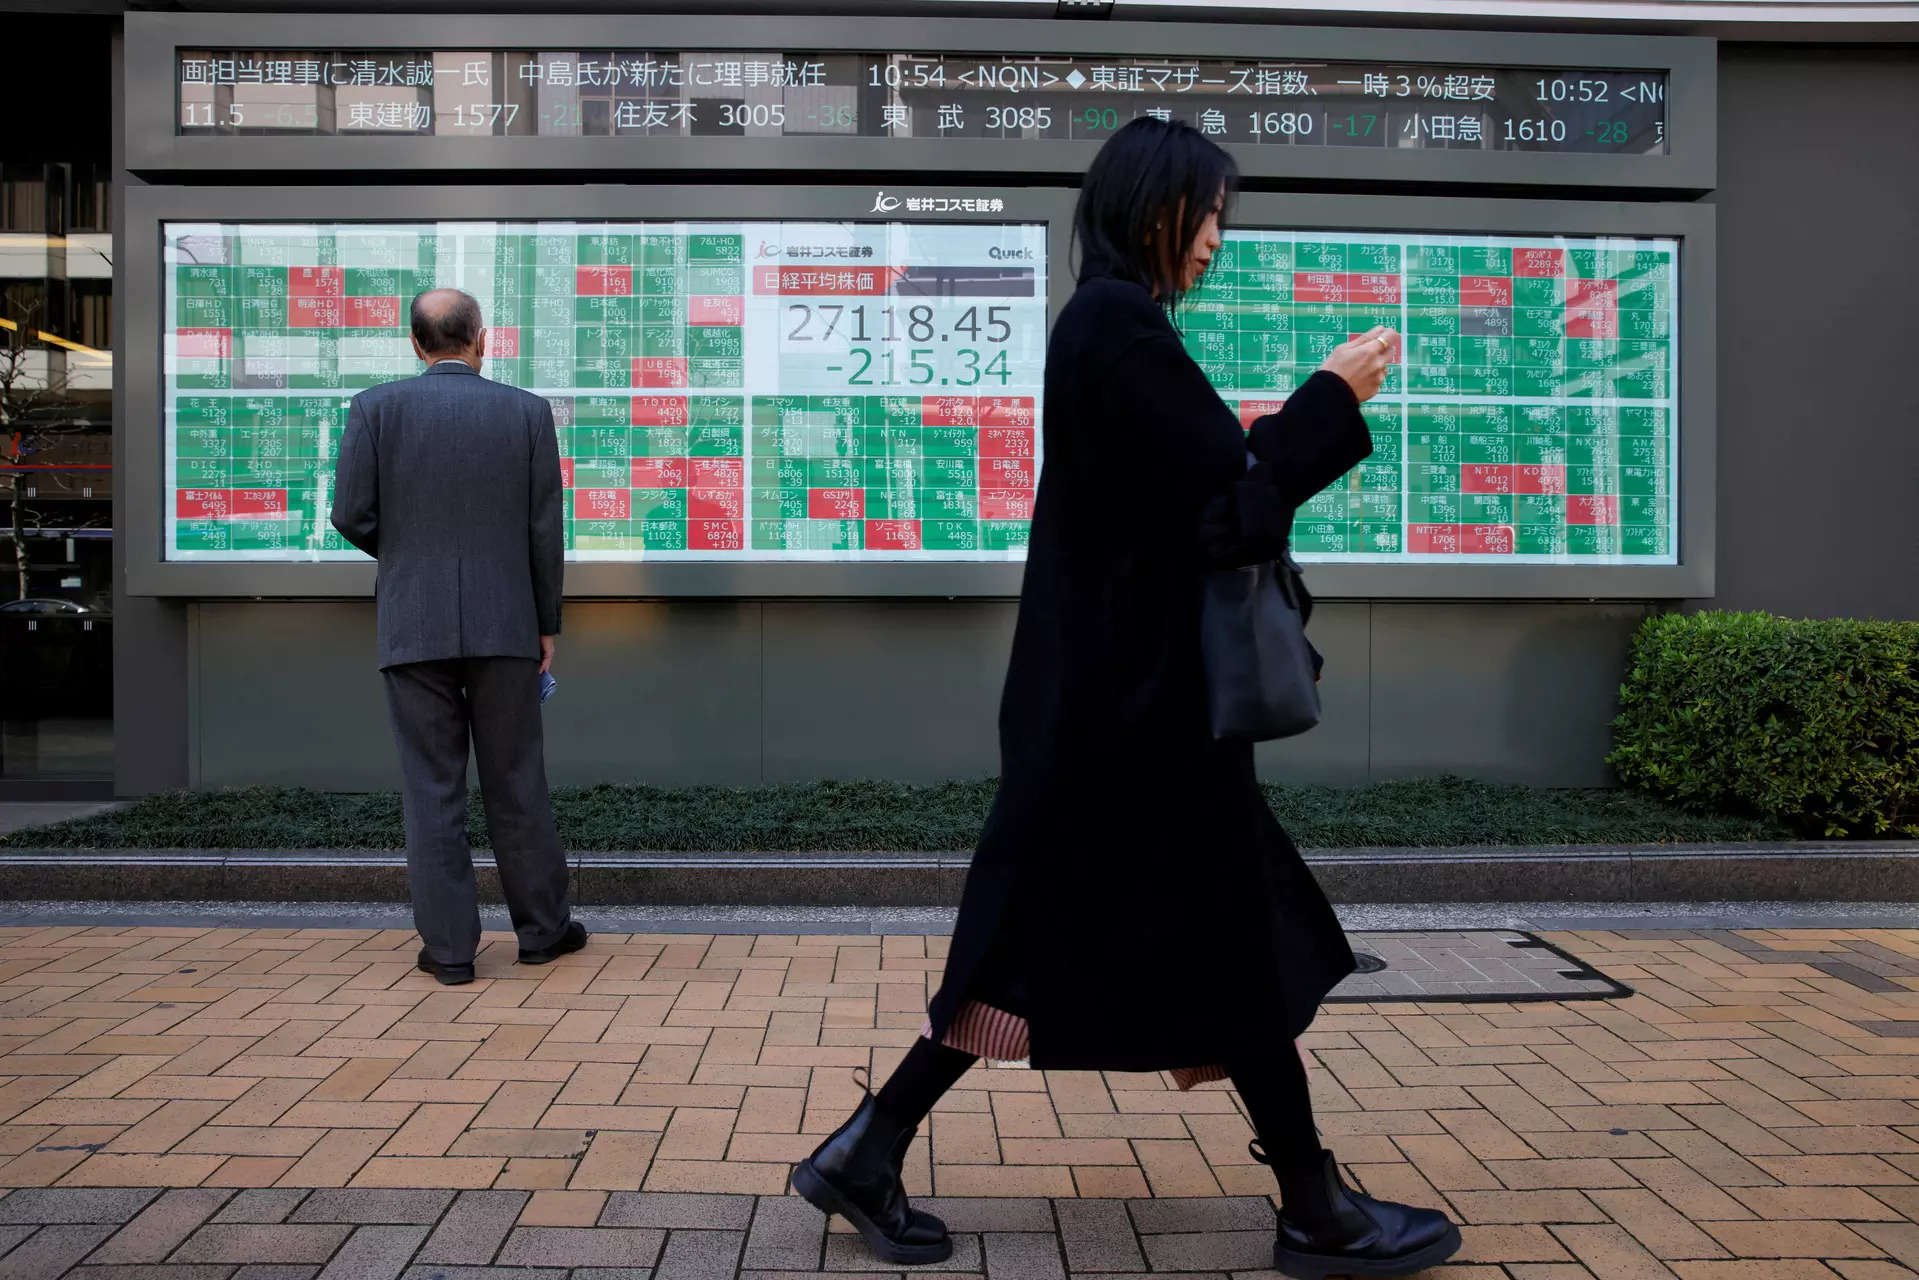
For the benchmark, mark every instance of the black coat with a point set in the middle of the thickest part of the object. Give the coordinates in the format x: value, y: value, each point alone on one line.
x: 1133, y: 896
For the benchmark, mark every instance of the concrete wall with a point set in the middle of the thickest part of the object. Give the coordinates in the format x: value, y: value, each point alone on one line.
x: 1816, y: 498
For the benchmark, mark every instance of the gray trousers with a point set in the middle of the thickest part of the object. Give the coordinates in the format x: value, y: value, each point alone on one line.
x: 437, y: 708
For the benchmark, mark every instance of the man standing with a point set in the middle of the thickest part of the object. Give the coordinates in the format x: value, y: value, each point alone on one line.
x: 452, y: 482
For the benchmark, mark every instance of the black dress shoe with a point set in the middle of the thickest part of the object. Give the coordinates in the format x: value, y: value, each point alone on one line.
x: 448, y: 975
x: 570, y: 941
x: 856, y: 1174
x: 1328, y: 1229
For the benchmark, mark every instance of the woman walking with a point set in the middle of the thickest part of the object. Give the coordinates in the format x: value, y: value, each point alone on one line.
x: 1133, y: 905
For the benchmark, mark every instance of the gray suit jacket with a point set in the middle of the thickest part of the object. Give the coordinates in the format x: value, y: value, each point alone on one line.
x: 452, y: 482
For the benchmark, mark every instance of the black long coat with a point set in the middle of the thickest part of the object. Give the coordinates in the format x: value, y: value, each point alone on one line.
x: 1132, y: 895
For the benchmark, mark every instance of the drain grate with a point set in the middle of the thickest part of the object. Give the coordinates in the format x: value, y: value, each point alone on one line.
x: 1466, y: 966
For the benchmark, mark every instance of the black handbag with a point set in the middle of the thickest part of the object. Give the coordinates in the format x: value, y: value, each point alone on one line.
x: 1262, y: 676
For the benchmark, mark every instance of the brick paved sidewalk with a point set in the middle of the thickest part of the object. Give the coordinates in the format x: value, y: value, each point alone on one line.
x: 317, y: 1106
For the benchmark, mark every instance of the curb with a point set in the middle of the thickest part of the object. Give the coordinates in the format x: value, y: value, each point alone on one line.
x: 1879, y: 871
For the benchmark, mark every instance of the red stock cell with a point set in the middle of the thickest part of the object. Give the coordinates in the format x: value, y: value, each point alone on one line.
x: 373, y: 313
x: 203, y: 344
x: 659, y: 411
x: 1372, y: 286
x: 1005, y: 504
x: 1592, y: 508
x: 715, y: 535
x: 949, y: 411
x: 315, y: 282
x: 1538, y: 264
x: 1581, y: 293
x: 259, y: 502
x: 1596, y: 320
x: 566, y: 473
x: 1485, y: 477
x: 1251, y: 410
x: 1432, y: 539
x: 1005, y: 411
x: 715, y: 504
x: 1485, y: 291
x: 658, y: 473
x: 603, y: 282
x: 1006, y: 473
x: 659, y: 371
x: 716, y: 309
x: 719, y: 473
x: 892, y: 535
x: 1319, y: 286
x: 503, y: 344
x: 202, y: 504
x: 836, y: 504
x: 1006, y: 442
x: 1486, y: 539
x: 1539, y: 477
x: 602, y: 504
x: 314, y: 313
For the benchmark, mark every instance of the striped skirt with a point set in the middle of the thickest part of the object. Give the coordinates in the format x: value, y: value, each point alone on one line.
x: 998, y: 1036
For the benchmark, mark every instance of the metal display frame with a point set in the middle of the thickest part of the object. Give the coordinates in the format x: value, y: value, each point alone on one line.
x: 148, y: 208
x: 153, y: 148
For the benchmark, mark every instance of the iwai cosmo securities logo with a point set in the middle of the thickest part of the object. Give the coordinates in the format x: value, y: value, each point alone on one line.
x: 884, y: 203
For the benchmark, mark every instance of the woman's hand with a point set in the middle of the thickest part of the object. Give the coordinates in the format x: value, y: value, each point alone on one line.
x: 1363, y: 362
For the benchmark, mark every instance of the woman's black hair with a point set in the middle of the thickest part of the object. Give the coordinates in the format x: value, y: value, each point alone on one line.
x: 1135, y: 188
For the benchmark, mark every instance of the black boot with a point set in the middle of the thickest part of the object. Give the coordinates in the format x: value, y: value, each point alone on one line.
x: 1328, y: 1229
x: 856, y: 1174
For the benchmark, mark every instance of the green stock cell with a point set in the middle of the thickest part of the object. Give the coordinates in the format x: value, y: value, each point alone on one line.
x: 1485, y: 508
x: 1311, y: 349
x: 203, y: 535
x: 1539, y: 322
x: 1320, y: 317
x: 1265, y: 317
x: 1645, y: 482
x: 206, y: 312
x: 602, y: 411
x: 1539, y: 382
x: 1208, y: 346
x: 949, y: 504
x: 259, y: 411
x: 1388, y: 446
x: 1646, y: 293
x: 950, y: 535
x: 1265, y: 348
x: 324, y: 373
x: 1639, y: 451
x: 715, y: 247
x: 893, y: 473
x: 316, y: 411
x: 1486, y: 353
x: 1645, y: 540
x: 1373, y: 257
x: 1540, y: 419
x: 509, y: 311
x: 1432, y: 508
x: 893, y: 504
x: 306, y: 501
x: 261, y: 282
x: 1485, y: 260
x: 601, y: 473
x: 1319, y: 255
x: 1263, y: 287
x: 1319, y: 537
x: 552, y: 284
x: 262, y: 314
x: 893, y: 411
x: 1589, y: 264
x: 1488, y: 419
x: 606, y: 310
x: 1438, y: 476
x: 552, y: 250
x: 202, y: 471
x: 1221, y: 373
x: 1434, y: 419
x: 1208, y: 315
x: 835, y: 473
x: 1651, y: 382
x: 1539, y: 509
x: 203, y: 411
x: 1584, y: 384
x: 661, y: 442
x: 1434, y: 380
x: 663, y: 287
x: 330, y: 540
x: 661, y: 535
x: 1634, y: 352
x: 1540, y: 540
x: 1375, y: 506
x: 718, y: 442
x: 194, y: 281
x: 1592, y: 451
x: 659, y: 504
x: 1426, y: 290
x: 1277, y: 378
x: 772, y: 502
x: 780, y: 441
x: 1591, y: 420
x: 836, y: 411
x: 893, y: 442
x: 958, y: 444
x: 1379, y: 538
x: 1214, y: 287
x: 715, y: 280
x: 833, y: 440
x: 602, y: 373
x: 270, y: 472
x: 716, y: 411
x: 600, y: 342
x: 1004, y: 535
x: 1364, y: 319
x: 1539, y: 292
x: 1328, y: 504
x: 807, y: 535
x: 715, y: 373
x: 1436, y: 259
x: 379, y: 282
x: 1635, y: 420
x: 1266, y: 255
x: 663, y: 340
x: 951, y: 473
x: 602, y: 535
x: 601, y: 442
x: 1593, y: 540
x: 605, y: 249
x: 1591, y: 353
x: 204, y: 375
x: 1433, y: 349
x: 1591, y: 480
x: 1644, y: 508
x: 1486, y: 449
x: 265, y: 535
x: 1631, y: 264
x: 307, y: 442
x: 1539, y: 353
x: 1432, y: 321
x: 510, y: 373
x: 662, y: 249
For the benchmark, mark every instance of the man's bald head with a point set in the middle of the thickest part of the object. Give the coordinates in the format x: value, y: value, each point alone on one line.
x: 446, y: 322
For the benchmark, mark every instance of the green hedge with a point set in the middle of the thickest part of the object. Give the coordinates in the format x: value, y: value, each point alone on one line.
x: 1811, y: 724
x: 944, y: 817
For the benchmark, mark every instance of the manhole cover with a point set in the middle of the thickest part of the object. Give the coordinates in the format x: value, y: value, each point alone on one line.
x: 1499, y: 965
x: 1367, y: 962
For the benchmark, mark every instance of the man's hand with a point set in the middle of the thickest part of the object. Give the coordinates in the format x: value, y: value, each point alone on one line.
x: 546, y: 653
x: 1363, y: 362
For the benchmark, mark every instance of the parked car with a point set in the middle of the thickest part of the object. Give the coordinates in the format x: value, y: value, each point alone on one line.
x: 43, y: 607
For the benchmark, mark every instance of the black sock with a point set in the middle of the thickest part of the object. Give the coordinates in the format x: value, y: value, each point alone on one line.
x: 921, y: 1079
x: 1281, y: 1107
